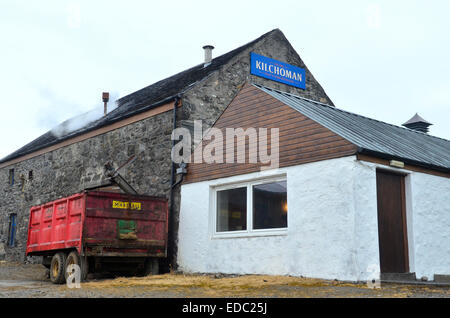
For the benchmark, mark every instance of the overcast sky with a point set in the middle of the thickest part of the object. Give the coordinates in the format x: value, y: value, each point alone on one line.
x: 382, y: 59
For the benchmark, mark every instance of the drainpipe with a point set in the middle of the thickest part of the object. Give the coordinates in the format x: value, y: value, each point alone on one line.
x: 171, y: 238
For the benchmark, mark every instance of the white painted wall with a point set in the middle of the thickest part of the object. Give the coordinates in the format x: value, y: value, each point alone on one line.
x: 431, y: 219
x: 332, y: 225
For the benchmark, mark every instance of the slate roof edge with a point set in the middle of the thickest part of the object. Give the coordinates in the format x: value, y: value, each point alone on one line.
x: 128, y: 115
x: 82, y: 132
x: 141, y: 106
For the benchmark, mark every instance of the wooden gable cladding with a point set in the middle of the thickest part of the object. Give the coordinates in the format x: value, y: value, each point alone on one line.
x: 301, y: 140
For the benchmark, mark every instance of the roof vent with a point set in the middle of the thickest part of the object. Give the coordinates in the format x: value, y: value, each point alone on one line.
x: 208, y: 54
x: 417, y: 123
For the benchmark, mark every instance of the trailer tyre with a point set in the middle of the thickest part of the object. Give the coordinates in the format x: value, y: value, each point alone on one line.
x: 151, y: 266
x: 57, y: 268
x: 75, y: 259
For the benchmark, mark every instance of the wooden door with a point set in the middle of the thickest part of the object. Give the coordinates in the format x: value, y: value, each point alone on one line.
x: 392, y: 232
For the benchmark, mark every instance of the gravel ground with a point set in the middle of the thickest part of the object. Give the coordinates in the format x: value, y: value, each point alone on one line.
x: 29, y: 280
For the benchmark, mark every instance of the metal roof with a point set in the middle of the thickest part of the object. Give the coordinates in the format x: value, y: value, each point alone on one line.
x: 373, y: 136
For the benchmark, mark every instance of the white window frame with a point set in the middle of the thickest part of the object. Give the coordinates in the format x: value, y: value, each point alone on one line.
x: 249, y: 232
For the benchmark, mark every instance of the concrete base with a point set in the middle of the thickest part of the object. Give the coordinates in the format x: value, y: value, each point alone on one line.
x: 443, y: 279
x: 410, y: 279
x: 394, y: 277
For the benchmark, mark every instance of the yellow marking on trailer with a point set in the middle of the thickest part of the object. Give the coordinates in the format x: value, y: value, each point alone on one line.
x: 127, y: 205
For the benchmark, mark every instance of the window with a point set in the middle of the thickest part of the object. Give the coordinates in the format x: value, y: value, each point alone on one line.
x: 250, y: 208
x: 270, y: 205
x: 30, y: 175
x: 11, y: 177
x: 131, y: 151
x: 12, y: 230
x: 232, y: 210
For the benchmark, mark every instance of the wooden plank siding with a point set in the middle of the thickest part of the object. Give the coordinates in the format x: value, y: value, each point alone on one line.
x: 301, y: 140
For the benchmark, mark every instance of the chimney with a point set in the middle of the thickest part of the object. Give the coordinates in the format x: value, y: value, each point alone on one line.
x: 208, y: 54
x: 417, y: 123
x: 105, y: 97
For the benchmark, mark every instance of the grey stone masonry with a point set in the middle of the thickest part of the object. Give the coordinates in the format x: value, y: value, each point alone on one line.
x: 71, y: 169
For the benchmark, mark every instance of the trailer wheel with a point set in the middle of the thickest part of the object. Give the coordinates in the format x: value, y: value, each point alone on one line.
x: 75, y: 259
x: 57, y: 267
x: 151, y: 266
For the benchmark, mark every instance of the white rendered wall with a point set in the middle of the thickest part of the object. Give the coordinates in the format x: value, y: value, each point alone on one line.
x: 321, y: 240
x: 431, y: 219
x: 332, y: 225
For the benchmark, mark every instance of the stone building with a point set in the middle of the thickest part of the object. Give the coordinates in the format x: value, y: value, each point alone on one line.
x: 65, y: 161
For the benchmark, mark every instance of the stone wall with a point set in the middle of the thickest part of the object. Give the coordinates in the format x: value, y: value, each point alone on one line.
x: 206, y: 100
x: 73, y: 168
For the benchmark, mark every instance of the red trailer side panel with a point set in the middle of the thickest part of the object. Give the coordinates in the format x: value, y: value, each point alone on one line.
x: 125, y: 225
x: 100, y: 224
x: 56, y: 225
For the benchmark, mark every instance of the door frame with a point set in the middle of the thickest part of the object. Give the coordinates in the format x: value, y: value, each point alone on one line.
x: 404, y: 214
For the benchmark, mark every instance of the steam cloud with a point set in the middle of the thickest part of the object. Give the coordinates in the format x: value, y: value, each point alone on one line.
x: 80, y: 121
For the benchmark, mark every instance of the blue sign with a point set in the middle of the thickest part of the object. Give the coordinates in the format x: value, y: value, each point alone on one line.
x: 277, y: 71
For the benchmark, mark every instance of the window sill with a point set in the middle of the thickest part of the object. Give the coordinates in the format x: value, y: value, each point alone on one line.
x: 247, y: 234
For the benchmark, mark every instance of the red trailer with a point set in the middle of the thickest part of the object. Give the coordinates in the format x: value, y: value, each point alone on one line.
x: 99, y: 231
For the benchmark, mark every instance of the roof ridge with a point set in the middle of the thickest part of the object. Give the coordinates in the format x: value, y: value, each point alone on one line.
x: 348, y: 112
x: 217, y: 58
x: 142, y: 99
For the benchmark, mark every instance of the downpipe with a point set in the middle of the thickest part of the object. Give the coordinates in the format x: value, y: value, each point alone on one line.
x: 171, y: 234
